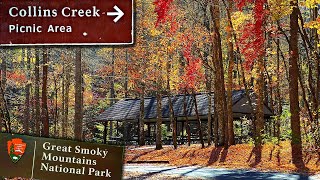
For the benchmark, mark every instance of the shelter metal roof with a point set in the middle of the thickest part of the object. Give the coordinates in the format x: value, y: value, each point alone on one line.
x: 129, y: 109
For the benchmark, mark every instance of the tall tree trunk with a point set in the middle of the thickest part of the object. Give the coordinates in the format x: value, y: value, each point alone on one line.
x: 5, y: 119
x: 44, y: 104
x: 279, y: 99
x: 55, y: 113
x: 208, y: 74
x: 159, y: 122
x: 230, y: 75
x: 4, y: 116
x: 317, y: 103
x: 27, y: 100
x: 209, y: 125
x: 126, y: 95
x: 4, y: 70
x: 185, y: 111
x: 112, y: 90
x: 66, y: 99
x: 4, y: 111
x: 208, y: 78
x: 220, y: 93
x: 198, y: 119
x: 1, y: 111
x: 293, y: 85
x: 37, y: 93
x: 259, y: 121
x: 215, y: 127
x: 141, y: 119
x: 78, y: 97
x: 171, y: 111
x: 63, y: 94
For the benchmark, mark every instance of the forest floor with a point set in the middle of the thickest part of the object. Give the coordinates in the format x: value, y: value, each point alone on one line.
x: 242, y: 156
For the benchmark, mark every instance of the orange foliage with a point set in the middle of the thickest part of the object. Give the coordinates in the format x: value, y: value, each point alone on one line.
x: 241, y: 156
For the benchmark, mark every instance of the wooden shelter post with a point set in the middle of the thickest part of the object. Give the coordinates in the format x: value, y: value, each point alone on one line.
x: 125, y: 131
x: 105, y: 132
x: 182, y: 132
x: 117, y: 131
x: 149, y: 130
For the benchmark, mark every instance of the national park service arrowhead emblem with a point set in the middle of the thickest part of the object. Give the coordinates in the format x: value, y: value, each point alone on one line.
x: 16, y: 149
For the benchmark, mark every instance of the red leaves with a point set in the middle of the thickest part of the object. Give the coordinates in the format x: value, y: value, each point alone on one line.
x: 17, y: 77
x: 162, y: 8
x: 192, y: 73
x: 251, y: 42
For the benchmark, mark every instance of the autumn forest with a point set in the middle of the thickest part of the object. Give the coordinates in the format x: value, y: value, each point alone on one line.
x: 266, y: 47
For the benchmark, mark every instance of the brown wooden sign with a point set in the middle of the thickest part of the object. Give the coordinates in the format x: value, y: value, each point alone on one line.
x: 72, y: 22
x: 51, y: 159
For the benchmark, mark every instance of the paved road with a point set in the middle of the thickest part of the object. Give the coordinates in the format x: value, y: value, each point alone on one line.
x: 212, y: 173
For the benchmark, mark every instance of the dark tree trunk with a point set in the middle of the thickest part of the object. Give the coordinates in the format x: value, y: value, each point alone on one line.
x: 259, y: 121
x: 27, y: 100
x: 55, y: 113
x: 172, y: 118
x: 4, y: 111
x: 37, y: 93
x: 279, y: 99
x: 198, y: 118
x: 159, y: 122
x: 65, y: 97
x: 185, y: 111
x: 293, y: 85
x: 112, y: 90
x: 230, y: 75
x: 126, y: 95
x: 209, y: 125
x: 78, y: 97
x: 141, y: 120
x: 219, y: 85
x: 1, y: 111
x: 45, y: 114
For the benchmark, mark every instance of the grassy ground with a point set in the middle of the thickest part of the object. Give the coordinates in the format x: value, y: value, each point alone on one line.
x: 242, y: 156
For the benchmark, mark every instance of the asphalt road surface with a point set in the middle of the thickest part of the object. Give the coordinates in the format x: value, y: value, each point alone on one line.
x: 198, y: 172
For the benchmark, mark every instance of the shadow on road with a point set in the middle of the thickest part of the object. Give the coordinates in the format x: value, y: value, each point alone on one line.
x: 212, y: 173
x: 258, y: 176
x: 147, y: 175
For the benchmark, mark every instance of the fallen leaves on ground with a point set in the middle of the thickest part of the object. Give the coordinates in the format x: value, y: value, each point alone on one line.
x: 241, y: 156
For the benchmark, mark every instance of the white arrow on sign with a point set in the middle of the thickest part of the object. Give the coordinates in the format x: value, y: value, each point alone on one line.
x: 119, y: 14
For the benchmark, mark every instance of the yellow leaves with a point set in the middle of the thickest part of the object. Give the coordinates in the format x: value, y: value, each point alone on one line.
x: 279, y: 8
x: 163, y: 42
x: 313, y: 25
x: 33, y: 60
x: 155, y: 32
x: 312, y: 3
x: 19, y: 59
x: 87, y: 80
x: 274, y: 78
x: 239, y: 18
x: 171, y: 49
